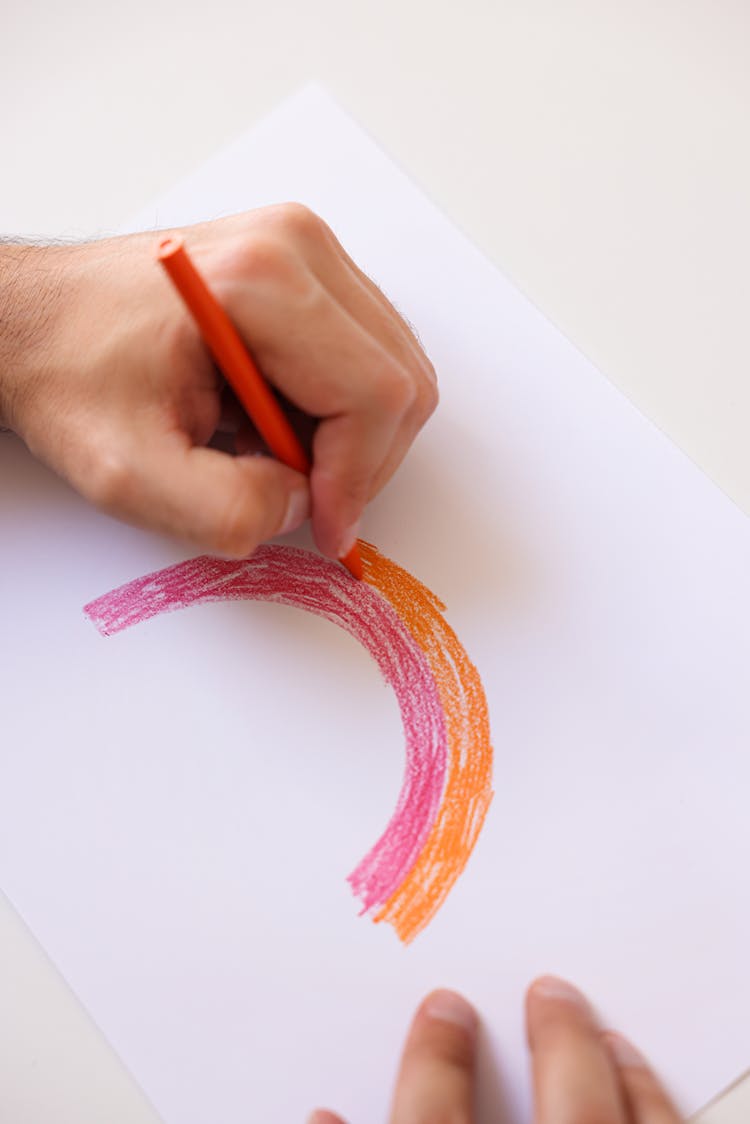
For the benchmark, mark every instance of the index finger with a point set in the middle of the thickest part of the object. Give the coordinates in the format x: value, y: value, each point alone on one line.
x: 329, y: 366
x: 436, y: 1078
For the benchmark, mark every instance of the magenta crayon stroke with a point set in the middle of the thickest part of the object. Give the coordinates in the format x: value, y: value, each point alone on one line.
x: 308, y: 581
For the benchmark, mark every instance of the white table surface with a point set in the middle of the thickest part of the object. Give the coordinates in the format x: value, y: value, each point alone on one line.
x: 597, y: 151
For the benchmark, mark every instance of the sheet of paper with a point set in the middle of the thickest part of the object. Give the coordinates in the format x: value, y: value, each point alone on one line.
x: 182, y: 801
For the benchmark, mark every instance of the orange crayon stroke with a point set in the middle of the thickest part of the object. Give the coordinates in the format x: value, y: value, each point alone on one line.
x: 468, y: 790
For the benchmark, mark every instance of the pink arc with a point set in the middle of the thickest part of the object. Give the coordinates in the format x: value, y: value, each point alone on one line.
x: 307, y: 581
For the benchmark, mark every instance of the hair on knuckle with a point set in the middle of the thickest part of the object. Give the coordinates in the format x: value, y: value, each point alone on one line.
x: 431, y: 380
x: 429, y: 397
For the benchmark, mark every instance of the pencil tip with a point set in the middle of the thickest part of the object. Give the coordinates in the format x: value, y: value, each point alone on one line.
x: 353, y: 563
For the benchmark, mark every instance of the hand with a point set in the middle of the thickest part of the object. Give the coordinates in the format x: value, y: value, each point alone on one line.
x: 581, y: 1073
x: 103, y: 374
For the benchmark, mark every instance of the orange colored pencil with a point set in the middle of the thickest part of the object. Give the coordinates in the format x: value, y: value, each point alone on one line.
x: 237, y: 365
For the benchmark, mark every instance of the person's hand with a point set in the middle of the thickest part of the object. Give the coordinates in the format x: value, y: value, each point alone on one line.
x: 582, y: 1074
x: 105, y: 377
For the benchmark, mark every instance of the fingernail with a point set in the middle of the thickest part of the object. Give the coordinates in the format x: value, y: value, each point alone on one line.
x: 297, y: 510
x: 552, y: 987
x: 449, y: 1007
x: 624, y: 1052
x: 348, y: 539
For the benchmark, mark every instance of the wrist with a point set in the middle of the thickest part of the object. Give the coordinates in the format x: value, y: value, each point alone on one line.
x: 31, y: 297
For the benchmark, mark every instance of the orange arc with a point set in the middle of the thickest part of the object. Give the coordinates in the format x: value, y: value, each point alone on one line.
x: 468, y: 788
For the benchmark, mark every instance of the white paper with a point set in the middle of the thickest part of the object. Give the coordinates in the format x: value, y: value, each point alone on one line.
x: 180, y: 804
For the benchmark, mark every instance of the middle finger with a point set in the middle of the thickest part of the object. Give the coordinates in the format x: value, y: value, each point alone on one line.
x: 574, y: 1079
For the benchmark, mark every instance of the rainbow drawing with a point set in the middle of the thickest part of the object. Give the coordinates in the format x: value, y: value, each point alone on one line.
x: 446, y: 789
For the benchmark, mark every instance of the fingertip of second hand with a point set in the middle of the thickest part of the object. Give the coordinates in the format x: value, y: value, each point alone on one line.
x: 450, y: 1007
x: 554, y: 988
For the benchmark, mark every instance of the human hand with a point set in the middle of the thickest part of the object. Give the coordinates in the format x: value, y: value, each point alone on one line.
x: 582, y: 1074
x: 104, y: 376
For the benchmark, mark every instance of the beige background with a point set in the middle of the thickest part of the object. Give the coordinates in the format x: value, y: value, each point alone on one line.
x: 597, y: 151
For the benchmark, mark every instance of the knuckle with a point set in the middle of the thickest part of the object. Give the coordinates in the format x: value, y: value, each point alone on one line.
x: 235, y: 535
x: 429, y: 396
x: 395, y: 390
x: 109, y: 480
x: 273, y: 267
x: 355, y: 486
x: 432, y: 379
x: 267, y: 261
x: 297, y: 221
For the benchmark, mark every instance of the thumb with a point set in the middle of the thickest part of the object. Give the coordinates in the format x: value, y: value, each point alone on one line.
x: 224, y: 504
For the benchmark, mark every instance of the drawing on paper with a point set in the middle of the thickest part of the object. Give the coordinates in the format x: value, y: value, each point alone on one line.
x: 446, y: 789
